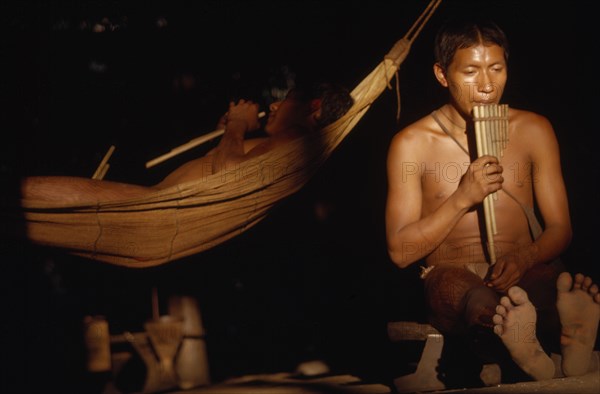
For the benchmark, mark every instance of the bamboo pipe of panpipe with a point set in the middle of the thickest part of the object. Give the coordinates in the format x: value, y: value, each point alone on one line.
x: 190, y: 144
x: 494, y: 130
x: 488, y: 208
x: 504, y: 130
x: 491, y: 129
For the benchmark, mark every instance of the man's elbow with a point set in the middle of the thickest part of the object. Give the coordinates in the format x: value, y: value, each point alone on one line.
x: 401, y: 252
x: 398, y: 258
x: 563, y: 233
x: 559, y: 236
x: 568, y: 235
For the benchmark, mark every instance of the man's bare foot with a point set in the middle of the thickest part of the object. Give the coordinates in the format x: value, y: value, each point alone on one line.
x: 514, y: 323
x: 578, y: 304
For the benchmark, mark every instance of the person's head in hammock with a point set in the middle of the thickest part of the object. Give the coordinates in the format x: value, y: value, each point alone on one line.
x: 306, y: 108
x: 314, y: 106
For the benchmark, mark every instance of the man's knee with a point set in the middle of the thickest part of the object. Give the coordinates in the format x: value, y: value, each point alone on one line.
x: 480, y: 306
x: 540, y: 284
x: 446, y: 289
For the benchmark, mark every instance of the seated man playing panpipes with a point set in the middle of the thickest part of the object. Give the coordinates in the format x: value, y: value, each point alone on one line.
x: 305, y: 110
x: 436, y: 187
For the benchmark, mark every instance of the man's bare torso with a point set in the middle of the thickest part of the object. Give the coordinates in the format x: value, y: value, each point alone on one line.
x: 441, y: 169
x: 200, y: 168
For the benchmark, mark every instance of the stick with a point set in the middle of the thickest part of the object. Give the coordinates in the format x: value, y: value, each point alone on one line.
x: 488, y: 208
x: 189, y: 145
x: 101, y: 170
x: 488, y: 133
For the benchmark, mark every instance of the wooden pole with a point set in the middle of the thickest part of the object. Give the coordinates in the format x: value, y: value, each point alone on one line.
x: 103, y: 166
x: 189, y: 145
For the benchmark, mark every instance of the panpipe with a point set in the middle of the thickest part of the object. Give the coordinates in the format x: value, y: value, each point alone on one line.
x: 491, y: 136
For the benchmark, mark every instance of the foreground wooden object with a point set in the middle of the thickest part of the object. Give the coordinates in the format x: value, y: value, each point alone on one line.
x: 172, y: 349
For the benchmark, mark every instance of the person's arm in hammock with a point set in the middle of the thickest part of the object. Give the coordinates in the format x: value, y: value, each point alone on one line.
x: 240, y: 119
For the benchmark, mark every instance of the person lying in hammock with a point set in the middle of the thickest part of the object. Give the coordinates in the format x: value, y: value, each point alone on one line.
x: 303, y: 111
x: 435, y: 189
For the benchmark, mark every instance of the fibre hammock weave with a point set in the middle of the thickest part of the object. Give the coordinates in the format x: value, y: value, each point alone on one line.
x: 192, y: 217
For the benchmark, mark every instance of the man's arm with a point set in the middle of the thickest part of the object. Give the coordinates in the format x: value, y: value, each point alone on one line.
x: 241, y: 118
x: 410, y: 237
x: 551, y: 199
x: 550, y: 192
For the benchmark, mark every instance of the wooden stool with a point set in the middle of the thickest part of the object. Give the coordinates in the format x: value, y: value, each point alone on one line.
x: 425, y: 377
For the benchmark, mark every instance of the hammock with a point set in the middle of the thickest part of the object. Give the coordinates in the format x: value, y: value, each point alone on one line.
x: 192, y: 217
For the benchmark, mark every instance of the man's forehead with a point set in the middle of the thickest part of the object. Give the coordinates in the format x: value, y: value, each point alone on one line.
x: 479, y: 50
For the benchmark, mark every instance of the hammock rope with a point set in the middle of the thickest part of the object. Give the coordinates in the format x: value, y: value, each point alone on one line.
x: 408, y: 39
x: 169, y: 224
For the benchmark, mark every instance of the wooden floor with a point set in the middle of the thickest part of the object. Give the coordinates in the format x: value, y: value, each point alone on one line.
x: 587, y: 384
x: 285, y: 383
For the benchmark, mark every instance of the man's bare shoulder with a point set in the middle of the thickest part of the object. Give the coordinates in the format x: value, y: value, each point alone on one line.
x: 416, y: 133
x: 526, y: 120
x: 530, y: 131
x: 251, y: 143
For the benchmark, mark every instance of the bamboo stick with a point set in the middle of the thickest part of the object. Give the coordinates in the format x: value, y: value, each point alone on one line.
x: 487, y: 149
x: 189, y: 145
x: 103, y: 172
x: 488, y: 210
x: 498, y: 149
x: 103, y: 166
x: 491, y: 136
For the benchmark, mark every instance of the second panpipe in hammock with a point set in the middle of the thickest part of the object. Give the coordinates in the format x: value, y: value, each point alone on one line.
x: 491, y: 135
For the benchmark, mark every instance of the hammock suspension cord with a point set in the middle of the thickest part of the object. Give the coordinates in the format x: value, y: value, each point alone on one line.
x: 410, y: 37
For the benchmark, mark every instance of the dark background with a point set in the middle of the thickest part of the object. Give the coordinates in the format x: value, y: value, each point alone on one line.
x: 298, y: 286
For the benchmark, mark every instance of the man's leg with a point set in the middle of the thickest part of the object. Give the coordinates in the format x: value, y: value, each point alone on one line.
x: 78, y: 190
x: 451, y: 291
x: 458, y: 299
x: 462, y: 308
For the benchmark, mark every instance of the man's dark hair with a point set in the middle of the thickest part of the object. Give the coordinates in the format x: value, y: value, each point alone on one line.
x: 335, y: 100
x: 459, y: 33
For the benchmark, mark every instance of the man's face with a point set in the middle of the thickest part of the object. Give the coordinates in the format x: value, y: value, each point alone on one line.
x: 286, y: 114
x: 477, y: 75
